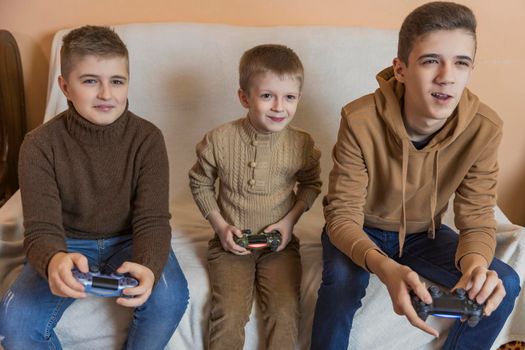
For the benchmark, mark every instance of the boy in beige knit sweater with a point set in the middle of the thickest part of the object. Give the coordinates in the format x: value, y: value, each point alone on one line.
x: 268, y: 176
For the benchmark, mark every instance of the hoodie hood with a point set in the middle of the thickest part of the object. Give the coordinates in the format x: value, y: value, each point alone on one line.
x: 389, y: 100
x: 389, y: 96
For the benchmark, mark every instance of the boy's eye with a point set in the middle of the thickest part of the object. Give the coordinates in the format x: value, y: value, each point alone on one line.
x: 430, y: 61
x: 89, y: 81
x: 266, y: 96
x: 464, y: 63
x: 117, y: 82
x: 291, y: 97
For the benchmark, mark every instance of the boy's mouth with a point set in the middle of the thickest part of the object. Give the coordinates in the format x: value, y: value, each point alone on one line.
x: 441, y: 96
x: 276, y: 119
x: 104, y: 108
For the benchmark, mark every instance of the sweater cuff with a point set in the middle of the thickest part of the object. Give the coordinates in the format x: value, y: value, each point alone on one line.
x: 156, y: 266
x: 152, y: 253
x: 360, y: 249
x: 40, y: 257
x: 470, y: 248
x: 207, y: 205
x: 356, y: 250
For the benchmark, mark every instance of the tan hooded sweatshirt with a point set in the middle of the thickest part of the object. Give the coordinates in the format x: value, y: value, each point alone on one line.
x: 381, y: 180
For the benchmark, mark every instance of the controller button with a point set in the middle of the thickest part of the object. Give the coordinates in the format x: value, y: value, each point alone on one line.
x: 461, y: 293
x: 94, y: 269
x: 434, y: 291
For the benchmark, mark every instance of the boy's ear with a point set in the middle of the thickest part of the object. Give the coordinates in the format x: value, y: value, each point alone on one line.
x: 62, y: 83
x: 399, y: 69
x: 243, y: 98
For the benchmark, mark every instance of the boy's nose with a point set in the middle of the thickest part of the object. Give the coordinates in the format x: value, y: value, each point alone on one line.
x: 445, y: 74
x: 277, y: 105
x: 104, y: 92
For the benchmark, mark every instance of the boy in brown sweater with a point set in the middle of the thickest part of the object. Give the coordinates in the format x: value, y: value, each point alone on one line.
x: 94, y: 185
x: 401, y: 153
x: 258, y: 160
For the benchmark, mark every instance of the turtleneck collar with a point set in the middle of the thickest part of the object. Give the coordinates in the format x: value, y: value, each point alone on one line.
x: 89, y: 133
x: 250, y: 134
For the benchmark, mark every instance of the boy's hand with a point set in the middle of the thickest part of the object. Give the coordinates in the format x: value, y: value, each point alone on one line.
x: 285, y: 227
x: 61, y: 280
x: 226, y: 235
x: 226, y: 232
x: 141, y: 292
x: 482, y: 284
x: 399, y: 280
x: 286, y: 224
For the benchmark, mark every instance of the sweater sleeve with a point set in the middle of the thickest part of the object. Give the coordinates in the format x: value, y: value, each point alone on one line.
x: 150, y: 221
x: 41, y: 204
x: 309, y: 177
x: 344, y: 203
x: 474, y: 205
x: 203, y: 176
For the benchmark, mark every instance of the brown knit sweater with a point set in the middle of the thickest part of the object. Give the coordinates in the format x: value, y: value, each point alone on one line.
x: 257, y: 173
x: 87, y: 181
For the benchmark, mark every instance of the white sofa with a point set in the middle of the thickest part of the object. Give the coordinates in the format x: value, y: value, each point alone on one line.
x: 184, y: 79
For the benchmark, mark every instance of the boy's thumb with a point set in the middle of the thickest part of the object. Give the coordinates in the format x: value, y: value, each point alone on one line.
x: 80, y: 262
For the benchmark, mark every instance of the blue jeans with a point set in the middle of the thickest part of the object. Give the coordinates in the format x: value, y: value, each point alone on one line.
x: 29, y: 312
x: 344, y: 283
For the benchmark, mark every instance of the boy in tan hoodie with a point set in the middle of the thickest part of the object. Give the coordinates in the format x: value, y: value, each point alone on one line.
x: 401, y: 153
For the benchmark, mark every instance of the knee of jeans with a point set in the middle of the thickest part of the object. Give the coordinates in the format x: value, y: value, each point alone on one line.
x: 344, y: 274
x: 170, y: 295
x: 511, y: 282
x: 7, y: 315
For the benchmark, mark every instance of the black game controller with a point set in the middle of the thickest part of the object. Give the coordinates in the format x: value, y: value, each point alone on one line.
x: 270, y: 240
x: 104, y: 285
x: 452, y: 305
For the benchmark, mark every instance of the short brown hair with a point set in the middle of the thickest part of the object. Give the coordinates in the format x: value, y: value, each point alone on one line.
x: 90, y: 41
x: 274, y: 58
x: 427, y: 18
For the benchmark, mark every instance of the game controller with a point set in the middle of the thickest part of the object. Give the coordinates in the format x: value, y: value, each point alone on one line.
x: 452, y: 305
x: 270, y: 240
x: 104, y: 285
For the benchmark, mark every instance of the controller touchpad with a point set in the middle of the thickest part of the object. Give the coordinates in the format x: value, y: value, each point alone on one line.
x: 106, y: 283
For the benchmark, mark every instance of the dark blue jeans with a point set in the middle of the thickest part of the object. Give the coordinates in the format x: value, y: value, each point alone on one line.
x: 29, y: 312
x: 344, y: 283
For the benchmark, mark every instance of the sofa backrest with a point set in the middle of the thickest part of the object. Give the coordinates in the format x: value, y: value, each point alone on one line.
x: 184, y: 79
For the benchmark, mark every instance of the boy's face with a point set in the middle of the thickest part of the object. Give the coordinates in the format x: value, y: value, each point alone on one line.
x: 98, y: 88
x: 271, y: 101
x: 439, y: 68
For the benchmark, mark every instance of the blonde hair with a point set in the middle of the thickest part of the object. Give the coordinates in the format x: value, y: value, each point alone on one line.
x: 274, y: 58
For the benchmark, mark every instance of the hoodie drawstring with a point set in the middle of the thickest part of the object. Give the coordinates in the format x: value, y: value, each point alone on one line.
x: 433, y: 196
x: 404, y: 174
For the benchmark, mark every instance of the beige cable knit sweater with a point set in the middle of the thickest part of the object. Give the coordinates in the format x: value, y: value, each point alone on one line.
x: 257, y: 173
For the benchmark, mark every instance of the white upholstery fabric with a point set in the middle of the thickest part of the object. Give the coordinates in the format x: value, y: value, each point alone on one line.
x: 184, y: 79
